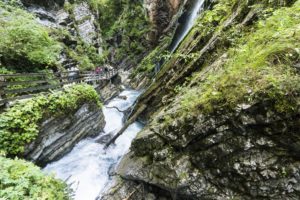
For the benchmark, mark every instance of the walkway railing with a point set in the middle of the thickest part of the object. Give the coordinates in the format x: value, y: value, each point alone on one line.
x: 22, y: 86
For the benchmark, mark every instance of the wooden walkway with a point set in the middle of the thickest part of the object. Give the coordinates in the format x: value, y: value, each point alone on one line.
x: 22, y: 86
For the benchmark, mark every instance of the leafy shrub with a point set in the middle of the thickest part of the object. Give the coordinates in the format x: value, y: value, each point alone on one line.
x: 19, y: 125
x: 5, y: 71
x: 86, y: 55
x: 21, y: 180
x: 24, y: 42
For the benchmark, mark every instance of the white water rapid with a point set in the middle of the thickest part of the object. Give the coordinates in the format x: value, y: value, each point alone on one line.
x: 196, y: 9
x: 87, y: 166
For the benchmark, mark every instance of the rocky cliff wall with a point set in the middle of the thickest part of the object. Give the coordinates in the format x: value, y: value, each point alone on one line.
x: 213, y: 136
x: 58, y: 135
x: 75, y: 25
x: 161, y: 14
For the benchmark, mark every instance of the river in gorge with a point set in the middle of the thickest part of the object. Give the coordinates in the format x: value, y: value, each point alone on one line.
x: 86, y: 168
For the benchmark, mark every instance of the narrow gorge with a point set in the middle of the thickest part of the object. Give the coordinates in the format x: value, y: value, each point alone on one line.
x: 149, y: 99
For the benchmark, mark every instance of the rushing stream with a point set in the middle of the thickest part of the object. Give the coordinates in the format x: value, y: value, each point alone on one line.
x: 87, y: 166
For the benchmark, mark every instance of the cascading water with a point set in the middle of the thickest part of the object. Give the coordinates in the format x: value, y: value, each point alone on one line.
x: 184, y: 28
x: 189, y: 21
x: 86, y: 167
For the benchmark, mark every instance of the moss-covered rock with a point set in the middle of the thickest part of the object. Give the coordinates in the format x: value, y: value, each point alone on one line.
x: 20, y: 125
x: 224, y: 110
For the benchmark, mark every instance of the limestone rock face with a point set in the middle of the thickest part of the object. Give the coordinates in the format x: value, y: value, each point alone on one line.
x: 110, y: 89
x: 59, y: 135
x: 78, y: 22
x: 85, y: 20
x: 250, y: 151
x: 160, y: 13
x: 249, y: 154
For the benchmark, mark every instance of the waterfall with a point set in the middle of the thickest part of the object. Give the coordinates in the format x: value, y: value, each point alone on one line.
x: 86, y: 168
x: 184, y: 28
x: 187, y: 25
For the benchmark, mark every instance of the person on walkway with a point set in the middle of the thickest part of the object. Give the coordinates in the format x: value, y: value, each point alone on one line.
x: 98, y: 70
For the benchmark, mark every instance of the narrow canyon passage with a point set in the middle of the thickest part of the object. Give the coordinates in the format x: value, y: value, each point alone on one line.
x: 204, y: 94
x: 86, y: 168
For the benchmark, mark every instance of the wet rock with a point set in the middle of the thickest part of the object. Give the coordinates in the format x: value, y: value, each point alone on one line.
x: 109, y: 90
x: 247, y: 158
x: 58, y: 135
x: 112, y: 170
x: 160, y: 14
x: 104, y: 138
x: 63, y: 18
x: 122, y: 97
x: 121, y: 189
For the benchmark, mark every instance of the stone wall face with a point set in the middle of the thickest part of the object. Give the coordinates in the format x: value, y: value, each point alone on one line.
x: 161, y: 13
x: 249, y: 151
x: 79, y: 22
x: 58, y: 135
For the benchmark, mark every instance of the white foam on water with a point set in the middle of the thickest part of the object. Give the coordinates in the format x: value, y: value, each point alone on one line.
x: 86, y: 167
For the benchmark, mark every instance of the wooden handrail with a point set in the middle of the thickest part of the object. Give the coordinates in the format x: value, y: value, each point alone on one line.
x: 38, y: 88
x: 8, y: 83
x: 44, y: 82
x: 42, y: 74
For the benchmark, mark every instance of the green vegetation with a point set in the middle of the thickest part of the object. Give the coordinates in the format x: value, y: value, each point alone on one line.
x: 84, y: 54
x: 5, y: 71
x: 122, y: 19
x: 131, y: 27
x: 147, y: 65
x: 124, y: 26
x: 260, y: 68
x: 25, y: 45
x: 109, y: 11
x: 19, y: 124
x: 21, y: 180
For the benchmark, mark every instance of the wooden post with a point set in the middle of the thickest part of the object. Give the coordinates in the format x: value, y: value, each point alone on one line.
x: 2, y: 94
